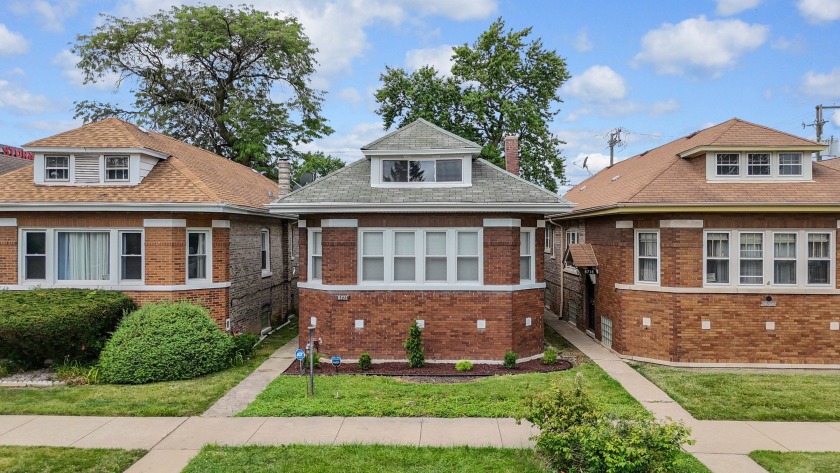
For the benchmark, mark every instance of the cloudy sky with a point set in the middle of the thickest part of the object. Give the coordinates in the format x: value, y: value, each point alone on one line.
x: 659, y: 70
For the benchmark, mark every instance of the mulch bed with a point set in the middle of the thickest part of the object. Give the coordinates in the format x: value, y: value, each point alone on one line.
x: 432, y: 369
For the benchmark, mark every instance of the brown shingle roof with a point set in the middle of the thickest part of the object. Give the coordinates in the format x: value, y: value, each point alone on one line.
x: 660, y: 176
x: 189, y: 175
x: 582, y: 255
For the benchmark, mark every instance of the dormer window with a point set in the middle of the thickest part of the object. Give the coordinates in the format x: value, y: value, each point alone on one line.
x: 116, y: 168
x: 758, y: 164
x: 422, y: 170
x: 57, y: 168
x: 727, y: 164
x: 790, y: 164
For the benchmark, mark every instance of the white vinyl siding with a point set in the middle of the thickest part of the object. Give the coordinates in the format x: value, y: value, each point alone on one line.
x: 86, y: 170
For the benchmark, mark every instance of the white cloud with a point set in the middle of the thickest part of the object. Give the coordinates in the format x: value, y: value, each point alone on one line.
x: 349, y: 94
x: 733, y: 7
x: 596, y: 84
x: 66, y: 60
x: 51, y: 15
x: 17, y: 99
x: 582, y: 42
x: 822, y: 85
x: 624, y: 108
x: 460, y: 10
x: 439, y: 57
x: 796, y: 44
x: 347, y: 145
x: 11, y: 42
x: 698, y: 45
x: 819, y: 11
x: 53, y: 126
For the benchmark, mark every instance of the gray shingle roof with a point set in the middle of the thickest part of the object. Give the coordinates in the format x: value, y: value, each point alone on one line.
x: 9, y: 163
x: 490, y: 185
x: 421, y: 134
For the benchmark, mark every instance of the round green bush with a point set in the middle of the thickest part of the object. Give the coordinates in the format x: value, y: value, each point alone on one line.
x: 165, y: 342
x: 549, y: 356
x: 464, y: 365
x: 510, y: 360
x: 365, y: 361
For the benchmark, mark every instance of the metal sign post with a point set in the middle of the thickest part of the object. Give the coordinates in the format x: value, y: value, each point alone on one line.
x: 311, y: 391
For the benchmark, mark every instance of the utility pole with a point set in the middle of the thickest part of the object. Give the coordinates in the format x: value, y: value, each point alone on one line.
x: 615, y: 140
x: 819, y: 122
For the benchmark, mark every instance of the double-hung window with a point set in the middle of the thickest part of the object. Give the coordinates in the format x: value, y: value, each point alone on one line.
x: 265, y: 251
x: 717, y: 258
x: 131, y: 256
x: 572, y: 237
x: 373, y: 256
x: 198, y: 246
x: 315, y: 255
x: 57, y: 168
x: 751, y: 253
x: 35, y: 255
x: 784, y: 258
x: 116, y: 168
x: 436, y: 260
x: 405, y: 256
x: 526, y: 255
x: 790, y: 164
x: 647, y: 256
x: 548, y: 239
x: 819, y: 258
x: 728, y: 164
x: 758, y: 164
x: 467, y: 255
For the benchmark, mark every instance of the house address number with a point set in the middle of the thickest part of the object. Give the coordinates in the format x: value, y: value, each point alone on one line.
x: 342, y: 297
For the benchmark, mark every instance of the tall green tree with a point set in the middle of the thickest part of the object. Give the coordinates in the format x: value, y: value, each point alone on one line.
x: 501, y: 84
x: 233, y: 81
x: 316, y: 163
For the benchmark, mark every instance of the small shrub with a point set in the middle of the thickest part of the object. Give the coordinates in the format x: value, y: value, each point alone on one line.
x: 165, y: 342
x: 54, y: 324
x: 317, y: 360
x: 576, y: 436
x: 549, y: 356
x: 414, y: 346
x: 365, y: 361
x: 74, y: 372
x: 464, y: 365
x: 510, y: 360
x: 244, y: 345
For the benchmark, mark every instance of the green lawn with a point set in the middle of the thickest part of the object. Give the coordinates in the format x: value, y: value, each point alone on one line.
x: 797, y: 462
x: 715, y: 395
x: 66, y: 460
x: 174, y: 398
x: 497, y: 396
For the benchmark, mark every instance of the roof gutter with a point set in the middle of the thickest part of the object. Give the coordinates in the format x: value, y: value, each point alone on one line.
x: 139, y: 207
x: 699, y: 207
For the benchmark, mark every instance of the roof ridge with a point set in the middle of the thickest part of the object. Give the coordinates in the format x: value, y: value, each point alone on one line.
x: 775, y: 130
x: 505, y: 171
x: 415, y: 123
x: 195, y: 180
x: 321, y: 180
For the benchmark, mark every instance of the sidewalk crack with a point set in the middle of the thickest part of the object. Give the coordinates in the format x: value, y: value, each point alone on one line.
x: 92, y: 431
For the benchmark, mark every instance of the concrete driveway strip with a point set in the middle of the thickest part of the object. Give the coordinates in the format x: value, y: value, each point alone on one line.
x: 197, y: 432
x: 801, y: 436
x: 131, y: 433
x: 381, y: 430
x: 163, y: 461
x: 8, y: 423
x: 462, y: 431
x: 289, y: 430
x: 729, y: 463
x: 53, y: 431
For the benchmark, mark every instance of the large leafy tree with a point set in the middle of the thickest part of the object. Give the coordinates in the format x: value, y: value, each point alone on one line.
x: 233, y: 81
x: 501, y: 84
x: 317, y: 163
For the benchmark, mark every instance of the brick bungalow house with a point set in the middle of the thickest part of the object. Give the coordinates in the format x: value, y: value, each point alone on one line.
x: 421, y: 228
x: 110, y: 205
x: 717, y: 248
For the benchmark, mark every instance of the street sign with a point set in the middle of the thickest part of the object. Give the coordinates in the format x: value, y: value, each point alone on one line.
x: 299, y: 354
x: 336, y: 360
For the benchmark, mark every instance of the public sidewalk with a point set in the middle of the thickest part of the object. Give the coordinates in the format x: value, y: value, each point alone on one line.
x: 721, y: 445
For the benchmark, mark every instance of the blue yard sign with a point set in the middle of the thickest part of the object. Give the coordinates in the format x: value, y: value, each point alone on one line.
x: 336, y: 360
x: 299, y: 354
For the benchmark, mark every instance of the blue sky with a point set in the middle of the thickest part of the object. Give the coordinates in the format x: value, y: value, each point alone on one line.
x: 658, y: 69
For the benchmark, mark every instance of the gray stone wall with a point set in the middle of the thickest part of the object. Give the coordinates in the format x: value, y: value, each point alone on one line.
x: 251, y: 292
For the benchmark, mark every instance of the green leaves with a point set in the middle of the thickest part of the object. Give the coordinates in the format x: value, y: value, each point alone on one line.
x: 414, y: 346
x: 316, y: 163
x: 233, y: 81
x: 499, y: 85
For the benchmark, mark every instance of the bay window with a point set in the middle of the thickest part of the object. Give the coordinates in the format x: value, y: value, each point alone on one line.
x: 468, y: 246
x: 647, y: 257
x: 197, y: 254
x: 436, y: 260
x: 770, y: 258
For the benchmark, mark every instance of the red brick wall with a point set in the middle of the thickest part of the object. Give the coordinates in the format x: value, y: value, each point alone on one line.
x: 166, y: 255
x: 214, y: 300
x: 450, y: 318
x: 501, y: 255
x: 8, y: 255
x: 339, y: 246
x: 221, y: 254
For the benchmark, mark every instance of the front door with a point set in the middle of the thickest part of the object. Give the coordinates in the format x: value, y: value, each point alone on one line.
x: 590, y: 303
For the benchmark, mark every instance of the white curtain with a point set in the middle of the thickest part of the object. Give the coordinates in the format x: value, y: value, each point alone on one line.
x: 83, y: 256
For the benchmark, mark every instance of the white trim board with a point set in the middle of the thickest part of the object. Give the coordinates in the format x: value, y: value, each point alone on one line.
x: 726, y: 290
x: 339, y: 223
x: 8, y: 222
x: 502, y: 222
x: 120, y: 287
x: 420, y: 287
x: 164, y: 223
x: 680, y: 224
x: 220, y: 224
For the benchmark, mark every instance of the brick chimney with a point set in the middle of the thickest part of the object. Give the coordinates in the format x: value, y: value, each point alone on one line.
x: 512, y: 154
x: 284, y: 177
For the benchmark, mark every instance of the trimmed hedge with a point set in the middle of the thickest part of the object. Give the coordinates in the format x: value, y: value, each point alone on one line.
x: 42, y: 324
x: 165, y: 342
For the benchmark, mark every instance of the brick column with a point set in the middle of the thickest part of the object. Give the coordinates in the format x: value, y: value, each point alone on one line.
x: 501, y: 255
x: 339, y: 260
x: 166, y: 256
x: 8, y: 255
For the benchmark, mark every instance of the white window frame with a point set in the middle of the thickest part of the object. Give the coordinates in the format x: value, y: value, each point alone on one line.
x: 377, y: 166
x: 310, y: 257
x: 744, y: 166
x: 706, y: 258
x: 636, y: 256
x: 265, y: 247
x: 114, y: 258
x: 47, y: 168
x: 769, y: 165
x: 773, y: 258
x: 126, y: 168
x: 420, y: 257
x: 801, y: 165
x: 737, y: 165
x: 531, y: 243
x: 25, y: 254
x: 142, y: 256
x: 386, y: 267
x: 572, y: 234
x: 548, y: 239
x: 768, y: 258
x: 208, y: 254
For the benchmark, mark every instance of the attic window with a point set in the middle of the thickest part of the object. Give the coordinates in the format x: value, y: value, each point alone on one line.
x: 57, y: 168
x: 116, y: 168
x: 426, y: 170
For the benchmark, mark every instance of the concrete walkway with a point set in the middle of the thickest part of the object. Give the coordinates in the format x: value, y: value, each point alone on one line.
x: 173, y: 441
x: 244, y: 393
x: 721, y: 445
